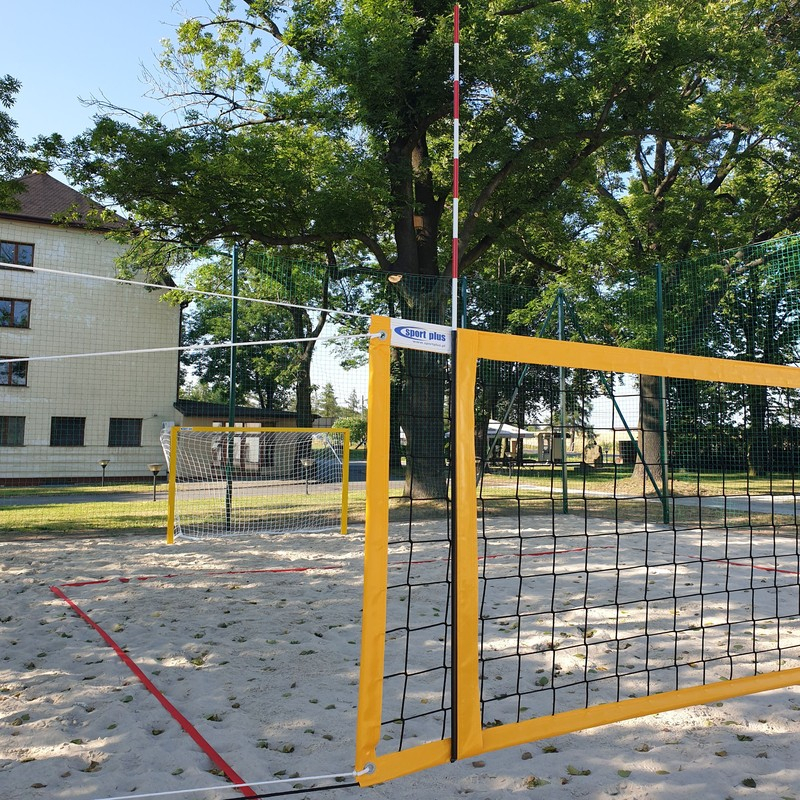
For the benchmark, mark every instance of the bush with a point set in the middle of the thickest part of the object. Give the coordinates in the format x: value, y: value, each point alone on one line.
x: 357, y: 427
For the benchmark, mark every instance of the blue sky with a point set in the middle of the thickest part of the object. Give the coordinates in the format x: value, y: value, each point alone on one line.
x: 65, y: 51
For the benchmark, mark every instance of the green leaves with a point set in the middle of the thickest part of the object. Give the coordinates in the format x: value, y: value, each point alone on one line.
x: 13, y: 158
x: 596, y: 138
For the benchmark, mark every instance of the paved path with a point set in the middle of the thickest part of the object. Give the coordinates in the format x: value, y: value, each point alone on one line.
x: 358, y: 471
x: 782, y: 504
x: 99, y: 496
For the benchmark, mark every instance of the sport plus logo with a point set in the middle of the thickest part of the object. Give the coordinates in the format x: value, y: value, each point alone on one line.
x: 420, y: 336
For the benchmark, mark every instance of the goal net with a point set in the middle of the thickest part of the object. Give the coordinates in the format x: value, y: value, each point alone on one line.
x: 252, y: 480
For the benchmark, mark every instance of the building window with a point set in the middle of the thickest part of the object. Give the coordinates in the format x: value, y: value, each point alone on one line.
x: 13, y: 373
x: 16, y: 253
x: 124, y: 432
x: 12, y: 431
x: 67, y: 431
x: 14, y: 313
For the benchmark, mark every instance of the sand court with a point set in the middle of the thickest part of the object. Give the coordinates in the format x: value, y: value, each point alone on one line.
x: 256, y: 644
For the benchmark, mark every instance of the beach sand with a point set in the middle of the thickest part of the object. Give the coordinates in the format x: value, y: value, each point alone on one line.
x: 263, y: 664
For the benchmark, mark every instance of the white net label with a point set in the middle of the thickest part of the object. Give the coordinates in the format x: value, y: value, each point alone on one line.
x: 421, y: 336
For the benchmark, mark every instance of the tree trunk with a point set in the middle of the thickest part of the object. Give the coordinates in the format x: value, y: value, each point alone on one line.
x: 301, y: 324
x: 648, y: 472
x: 421, y: 395
x: 422, y: 418
x: 422, y: 297
x: 395, y: 394
x: 758, y: 455
x: 303, y: 389
x: 761, y: 320
x: 303, y: 383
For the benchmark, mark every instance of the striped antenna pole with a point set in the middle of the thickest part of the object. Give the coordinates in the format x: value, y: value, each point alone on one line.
x: 456, y: 132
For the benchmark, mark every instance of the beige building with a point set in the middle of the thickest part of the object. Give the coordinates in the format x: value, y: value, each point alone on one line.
x: 60, y: 417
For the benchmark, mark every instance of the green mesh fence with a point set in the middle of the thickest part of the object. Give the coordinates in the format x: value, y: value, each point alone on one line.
x: 742, y: 303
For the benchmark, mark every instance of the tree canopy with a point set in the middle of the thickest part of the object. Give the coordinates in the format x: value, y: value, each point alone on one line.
x: 327, y: 122
x: 597, y: 138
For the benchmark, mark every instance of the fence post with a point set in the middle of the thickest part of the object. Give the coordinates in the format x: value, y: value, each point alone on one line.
x: 562, y: 395
x: 662, y: 392
x: 232, y: 385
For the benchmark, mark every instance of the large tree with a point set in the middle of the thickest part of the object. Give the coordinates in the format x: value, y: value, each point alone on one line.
x: 276, y: 297
x: 326, y: 123
x: 719, y: 168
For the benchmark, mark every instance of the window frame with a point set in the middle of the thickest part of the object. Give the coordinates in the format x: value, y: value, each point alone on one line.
x: 10, y: 369
x: 119, y: 435
x: 5, y: 431
x: 79, y: 430
x: 15, y: 262
x: 12, y: 315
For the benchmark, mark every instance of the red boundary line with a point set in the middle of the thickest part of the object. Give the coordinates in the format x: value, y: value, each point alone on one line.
x: 187, y: 726
x: 279, y: 570
x: 751, y: 566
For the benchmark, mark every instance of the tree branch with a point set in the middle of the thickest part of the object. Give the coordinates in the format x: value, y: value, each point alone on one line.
x: 483, y: 198
x: 269, y: 25
x: 594, y: 138
x: 643, y: 167
x: 374, y: 247
x: 268, y: 21
x: 784, y: 223
x: 621, y: 212
x: 534, y: 5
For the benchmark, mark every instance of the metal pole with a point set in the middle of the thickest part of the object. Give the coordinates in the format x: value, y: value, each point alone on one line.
x: 232, y: 386
x: 454, y: 689
x: 610, y: 389
x: 562, y: 395
x: 454, y: 586
x: 234, y: 324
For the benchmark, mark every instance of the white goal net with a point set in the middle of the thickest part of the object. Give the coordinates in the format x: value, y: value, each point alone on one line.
x: 252, y: 480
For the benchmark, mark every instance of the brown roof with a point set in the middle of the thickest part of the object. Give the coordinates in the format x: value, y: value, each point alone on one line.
x: 43, y: 198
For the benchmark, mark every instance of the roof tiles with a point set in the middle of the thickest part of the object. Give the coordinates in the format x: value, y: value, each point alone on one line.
x: 45, y: 199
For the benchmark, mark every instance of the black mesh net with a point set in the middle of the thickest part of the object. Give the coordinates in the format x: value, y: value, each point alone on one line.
x: 611, y: 570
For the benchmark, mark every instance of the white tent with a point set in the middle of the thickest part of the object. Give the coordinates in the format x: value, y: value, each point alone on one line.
x: 506, y: 431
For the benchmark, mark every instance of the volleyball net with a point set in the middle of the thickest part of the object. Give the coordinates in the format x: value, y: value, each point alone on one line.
x: 621, y: 539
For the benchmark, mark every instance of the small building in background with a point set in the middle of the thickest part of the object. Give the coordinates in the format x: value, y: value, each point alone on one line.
x: 199, y: 413
x: 61, y: 417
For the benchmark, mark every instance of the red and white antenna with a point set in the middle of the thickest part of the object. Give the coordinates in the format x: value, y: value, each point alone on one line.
x: 456, y: 132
